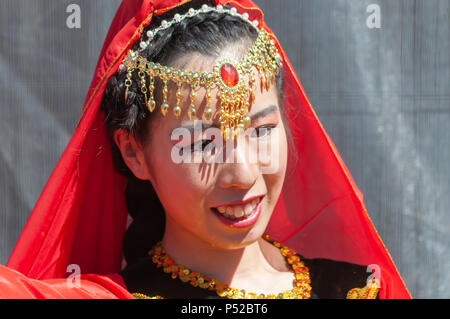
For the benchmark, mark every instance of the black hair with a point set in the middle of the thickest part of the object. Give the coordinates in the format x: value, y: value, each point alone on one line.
x: 205, y: 33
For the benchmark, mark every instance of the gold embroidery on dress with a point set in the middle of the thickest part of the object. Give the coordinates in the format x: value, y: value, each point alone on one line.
x: 368, y: 292
x: 142, y: 296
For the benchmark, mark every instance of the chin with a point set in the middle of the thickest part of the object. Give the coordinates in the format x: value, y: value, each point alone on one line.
x: 237, y: 239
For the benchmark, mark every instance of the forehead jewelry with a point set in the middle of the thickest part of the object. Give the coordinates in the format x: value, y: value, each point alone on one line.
x: 236, y: 93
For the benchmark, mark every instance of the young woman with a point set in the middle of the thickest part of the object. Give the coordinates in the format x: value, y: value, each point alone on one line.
x: 197, y: 128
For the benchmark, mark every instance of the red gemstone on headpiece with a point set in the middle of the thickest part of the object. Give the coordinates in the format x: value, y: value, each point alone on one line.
x: 229, y: 75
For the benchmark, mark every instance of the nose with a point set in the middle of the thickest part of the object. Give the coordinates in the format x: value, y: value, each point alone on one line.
x: 240, y: 169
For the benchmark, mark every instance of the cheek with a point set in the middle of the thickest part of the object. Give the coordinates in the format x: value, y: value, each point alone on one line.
x: 179, y: 186
x: 283, y: 151
x: 274, y: 174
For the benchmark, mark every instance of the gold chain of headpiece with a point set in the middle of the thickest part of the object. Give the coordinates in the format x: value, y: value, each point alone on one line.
x: 235, y: 95
x: 301, y: 290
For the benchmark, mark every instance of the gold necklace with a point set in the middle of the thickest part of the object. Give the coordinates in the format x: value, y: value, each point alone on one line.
x: 301, y: 290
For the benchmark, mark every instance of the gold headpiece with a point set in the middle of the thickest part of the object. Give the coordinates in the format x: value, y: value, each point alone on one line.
x: 235, y: 93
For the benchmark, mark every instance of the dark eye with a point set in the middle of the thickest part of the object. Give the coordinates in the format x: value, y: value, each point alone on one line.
x: 199, y: 146
x: 263, y: 131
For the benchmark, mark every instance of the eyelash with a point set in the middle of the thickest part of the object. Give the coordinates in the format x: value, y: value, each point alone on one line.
x: 269, y: 128
x: 205, y: 143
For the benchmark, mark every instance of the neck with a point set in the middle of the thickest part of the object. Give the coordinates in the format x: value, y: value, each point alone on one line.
x: 227, y: 265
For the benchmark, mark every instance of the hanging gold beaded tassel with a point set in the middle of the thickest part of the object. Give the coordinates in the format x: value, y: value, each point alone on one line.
x: 191, y: 111
x: 151, y: 104
x: 224, y: 114
x: 252, y: 87
x: 265, y: 71
x: 141, y: 75
x: 235, y: 117
x: 165, y: 105
x: 177, y: 109
x: 128, y: 83
x: 242, y: 111
x: 234, y: 108
x: 208, y: 110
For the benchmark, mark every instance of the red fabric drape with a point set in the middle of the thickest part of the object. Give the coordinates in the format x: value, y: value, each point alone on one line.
x: 80, y: 217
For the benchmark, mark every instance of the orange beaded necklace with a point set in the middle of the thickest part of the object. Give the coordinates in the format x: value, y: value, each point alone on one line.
x: 301, y: 290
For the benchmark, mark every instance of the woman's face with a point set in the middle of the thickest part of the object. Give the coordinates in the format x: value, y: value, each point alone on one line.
x: 225, y: 192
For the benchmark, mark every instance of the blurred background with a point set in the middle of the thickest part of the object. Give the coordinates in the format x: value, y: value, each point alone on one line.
x: 382, y: 94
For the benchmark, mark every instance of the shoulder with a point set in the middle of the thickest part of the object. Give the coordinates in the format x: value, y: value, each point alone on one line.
x: 143, y: 279
x: 331, y: 279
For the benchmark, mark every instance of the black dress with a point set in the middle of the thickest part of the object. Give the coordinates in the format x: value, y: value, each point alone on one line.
x: 329, y: 280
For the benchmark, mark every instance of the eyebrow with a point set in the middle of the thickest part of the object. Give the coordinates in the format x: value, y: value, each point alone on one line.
x: 267, y: 111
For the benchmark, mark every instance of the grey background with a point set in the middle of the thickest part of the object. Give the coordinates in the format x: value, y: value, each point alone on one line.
x: 383, y: 96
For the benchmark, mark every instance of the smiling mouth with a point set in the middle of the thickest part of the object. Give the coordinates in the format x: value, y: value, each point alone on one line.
x: 244, y: 214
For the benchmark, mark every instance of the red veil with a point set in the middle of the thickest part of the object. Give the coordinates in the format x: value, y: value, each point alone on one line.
x: 81, y: 216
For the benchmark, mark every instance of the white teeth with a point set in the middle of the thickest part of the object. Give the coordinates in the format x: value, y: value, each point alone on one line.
x: 229, y: 212
x: 248, y: 209
x: 222, y: 209
x: 238, y: 211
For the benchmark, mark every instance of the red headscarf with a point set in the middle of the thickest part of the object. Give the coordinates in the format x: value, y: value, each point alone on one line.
x: 80, y: 217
